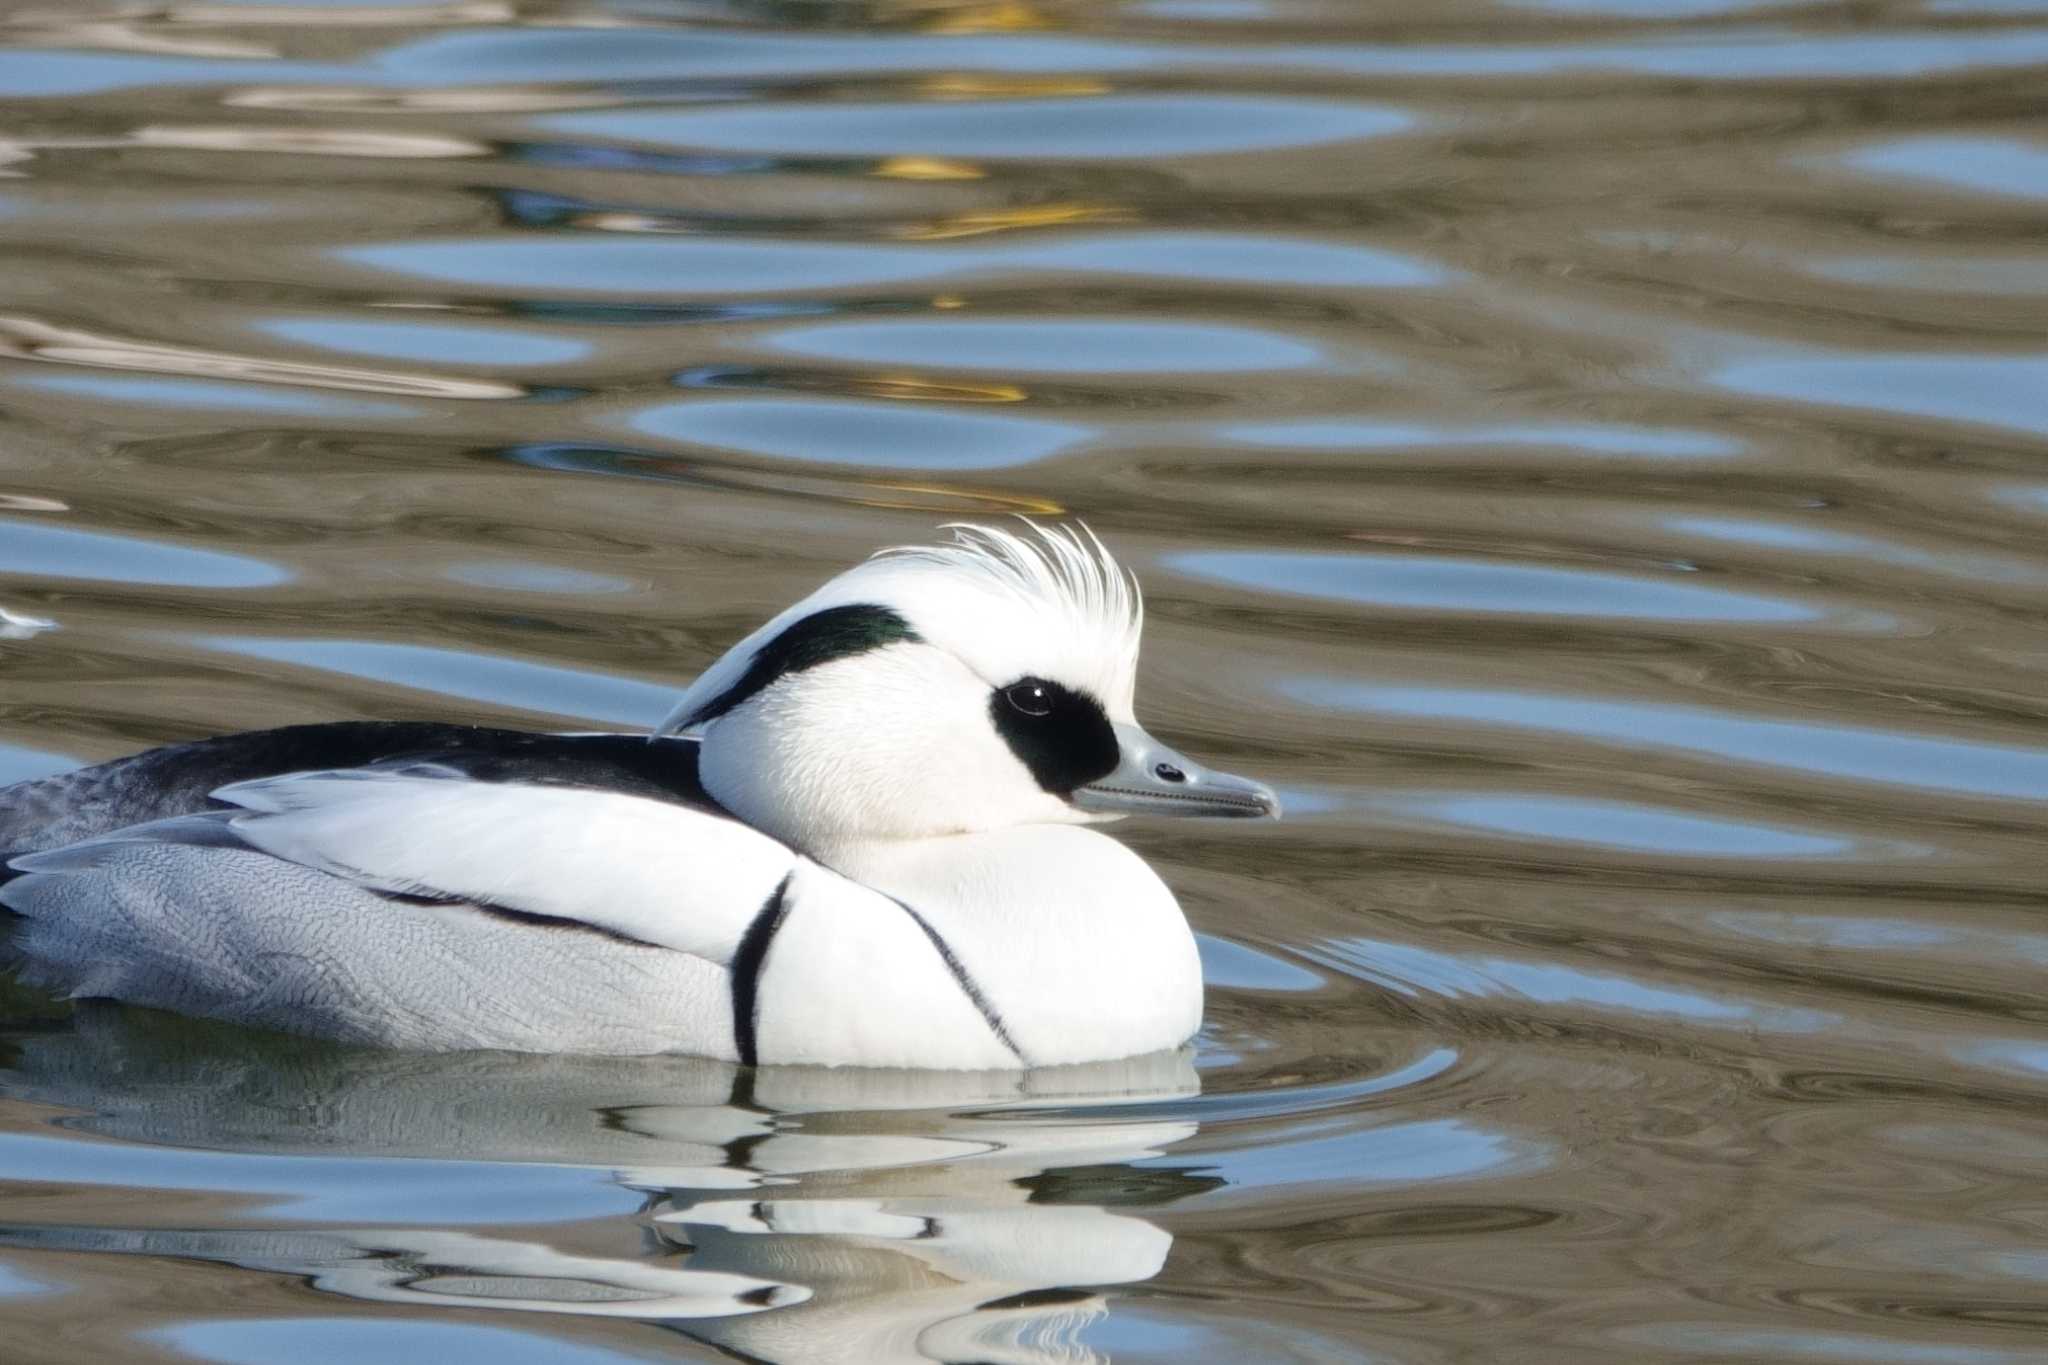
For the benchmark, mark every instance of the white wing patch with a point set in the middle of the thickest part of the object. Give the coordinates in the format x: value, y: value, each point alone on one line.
x: 649, y: 870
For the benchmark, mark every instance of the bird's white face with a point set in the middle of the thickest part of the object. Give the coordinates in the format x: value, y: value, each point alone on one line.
x: 967, y: 687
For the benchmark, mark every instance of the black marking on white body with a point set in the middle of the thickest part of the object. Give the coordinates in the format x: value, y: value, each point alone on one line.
x: 180, y: 779
x: 968, y: 985
x: 834, y: 633
x: 749, y: 960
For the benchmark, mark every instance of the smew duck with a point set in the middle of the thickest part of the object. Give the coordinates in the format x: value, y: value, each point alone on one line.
x: 861, y: 838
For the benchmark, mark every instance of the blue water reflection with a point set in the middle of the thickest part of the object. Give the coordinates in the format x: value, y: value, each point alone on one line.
x: 39, y: 550
x: 1344, y: 1151
x: 316, y: 1187
x: 620, y: 56
x: 879, y: 434
x: 1444, y: 583
x: 202, y: 393
x: 545, y: 689
x: 638, y: 54
x: 2026, y: 1056
x: 1985, y: 165
x: 1781, y: 535
x: 1966, y: 767
x: 719, y: 267
x: 1862, y: 933
x: 1229, y: 258
x: 55, y: 72
x: 1413, y: 970
x: 350, y: 1341
x: 20, y: 764
x: 1937, y: 274
x: 1552, y: 438
x: 1117, y: 127
x: 1984, y: 390
x: 1239, y: 966
x: 1031, y: 346
x: 14, y: 1284
x: 1627, y: 827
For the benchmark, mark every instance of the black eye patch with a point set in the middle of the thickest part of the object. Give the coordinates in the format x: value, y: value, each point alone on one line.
x: 1061, y: 735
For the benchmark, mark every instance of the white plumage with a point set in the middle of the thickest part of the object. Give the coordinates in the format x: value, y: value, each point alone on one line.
x: 866, y: 849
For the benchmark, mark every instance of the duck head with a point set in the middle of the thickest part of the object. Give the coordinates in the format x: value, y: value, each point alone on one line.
x: 974, y: 685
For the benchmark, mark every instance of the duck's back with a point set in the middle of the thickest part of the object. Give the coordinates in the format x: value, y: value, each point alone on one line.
x: 180, y: 779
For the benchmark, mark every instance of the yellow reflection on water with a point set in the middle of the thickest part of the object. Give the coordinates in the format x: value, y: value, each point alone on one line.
x: 927, y: 168
x: 1010, y: 219
x: 998, y: 18
x: 939, y: 497
x: 910, y: 388
x: 963, y: 86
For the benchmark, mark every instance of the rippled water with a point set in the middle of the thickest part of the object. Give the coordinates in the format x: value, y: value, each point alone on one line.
x: 1591, y: 454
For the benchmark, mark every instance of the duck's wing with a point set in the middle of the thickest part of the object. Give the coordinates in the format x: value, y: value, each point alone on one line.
x: 180, y: 779
x: 650, y: 871
x: 413, y: 906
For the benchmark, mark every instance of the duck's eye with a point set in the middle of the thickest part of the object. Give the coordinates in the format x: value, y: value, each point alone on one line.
x: 1031, y: 697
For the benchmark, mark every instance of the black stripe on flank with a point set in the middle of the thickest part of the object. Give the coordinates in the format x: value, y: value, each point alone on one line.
x: 968, y: 986
x: 821, y: 637
x: 496, y: 910
x: 747, y: 964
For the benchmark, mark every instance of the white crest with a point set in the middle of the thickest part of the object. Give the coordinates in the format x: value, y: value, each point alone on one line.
x: 1065, y: 568
x: 1049, y: 601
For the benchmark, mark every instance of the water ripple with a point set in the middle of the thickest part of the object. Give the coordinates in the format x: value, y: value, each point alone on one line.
x: 630, y: 53
x: 1817, y: 748
x: 1031, y: 346
x: 172, y: 394
x: 1624, y: 826
x: 1410, y: 969
x: 1585, y: 453
x: 312, y: 1187
x: 1994, y: 166
x: 41, y: 550
x: 718, y: 267
x: 433, y: 342
x: 1552, y: 439
x: 1113, y: 127
x: 879, y: 435
x: 2009, y: 391
x: 544, y: 689
x: 1440, y: 583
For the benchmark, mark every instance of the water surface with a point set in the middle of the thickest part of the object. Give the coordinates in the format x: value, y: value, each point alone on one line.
x: 1586, y: 453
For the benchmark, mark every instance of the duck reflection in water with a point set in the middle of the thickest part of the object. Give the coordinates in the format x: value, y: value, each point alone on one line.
x: 783, y: 1214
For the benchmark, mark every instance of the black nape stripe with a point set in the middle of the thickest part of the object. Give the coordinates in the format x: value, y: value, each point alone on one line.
x: 747, y: 963
x: 821, y: 637
x: 1065, y: 739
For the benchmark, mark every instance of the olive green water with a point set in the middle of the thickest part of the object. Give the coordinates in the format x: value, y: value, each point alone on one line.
x: 1591, y: 455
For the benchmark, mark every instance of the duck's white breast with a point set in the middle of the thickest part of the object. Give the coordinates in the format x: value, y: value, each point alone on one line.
x: 850, y: 978
x: 1072, y: 942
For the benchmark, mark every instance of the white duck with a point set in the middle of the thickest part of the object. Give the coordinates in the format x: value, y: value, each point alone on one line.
x: 857, y: 840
